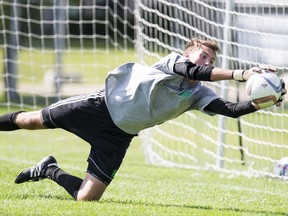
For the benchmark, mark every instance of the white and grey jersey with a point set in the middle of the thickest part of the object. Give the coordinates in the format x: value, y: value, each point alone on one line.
x: 139, y: 96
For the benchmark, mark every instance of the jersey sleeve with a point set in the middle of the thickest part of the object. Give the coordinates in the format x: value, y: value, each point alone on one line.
x: 175, y: 63
x: 230, y: 109
x: 193, y: 71
x: 167, y: 63
x: 202, y: 97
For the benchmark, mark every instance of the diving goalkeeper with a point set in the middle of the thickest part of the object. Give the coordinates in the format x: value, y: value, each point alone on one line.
x: 135, y: 97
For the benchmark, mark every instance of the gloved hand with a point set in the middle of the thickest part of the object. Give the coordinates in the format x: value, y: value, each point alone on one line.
x: 244, y: 75
x: 283, y: 92
x: 271, y: 100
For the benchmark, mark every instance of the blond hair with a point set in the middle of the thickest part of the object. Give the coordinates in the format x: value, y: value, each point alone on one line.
x: 197, y: 43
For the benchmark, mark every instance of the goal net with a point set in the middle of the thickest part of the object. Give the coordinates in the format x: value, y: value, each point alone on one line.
x: 249, y: 33
x: 53, y: 49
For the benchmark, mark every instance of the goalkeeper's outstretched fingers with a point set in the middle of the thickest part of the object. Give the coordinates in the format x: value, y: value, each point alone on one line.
x: 244, y: 75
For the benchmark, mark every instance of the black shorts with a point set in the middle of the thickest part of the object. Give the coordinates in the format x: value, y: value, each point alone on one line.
x: 87, y: 117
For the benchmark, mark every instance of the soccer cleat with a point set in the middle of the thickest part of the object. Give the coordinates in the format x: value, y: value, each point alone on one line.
x: 36, y: 172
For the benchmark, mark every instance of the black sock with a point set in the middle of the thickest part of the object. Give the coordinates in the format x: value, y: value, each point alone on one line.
x: 69, y: 182
x: 7, y: 121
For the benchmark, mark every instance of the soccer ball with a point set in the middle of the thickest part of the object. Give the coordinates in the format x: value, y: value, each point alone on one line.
x: 281, y: 167
x: 262, y: 85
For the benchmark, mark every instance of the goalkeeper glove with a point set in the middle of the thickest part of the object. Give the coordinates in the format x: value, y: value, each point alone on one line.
x: 244, y: 75
x: 271, y: 100
x: 283, y: 92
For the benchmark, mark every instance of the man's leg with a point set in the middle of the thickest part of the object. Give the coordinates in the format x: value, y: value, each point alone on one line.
x: 7, y: 121
x: 21, y: 120
x: 89, y: 189
x: 81, y: 190
x: 30, y: 120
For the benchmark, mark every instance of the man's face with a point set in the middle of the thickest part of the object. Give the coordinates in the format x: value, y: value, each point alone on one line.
x: 203, y: 56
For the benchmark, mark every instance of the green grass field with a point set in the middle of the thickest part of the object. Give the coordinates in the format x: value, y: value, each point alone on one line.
x: 138, y: 188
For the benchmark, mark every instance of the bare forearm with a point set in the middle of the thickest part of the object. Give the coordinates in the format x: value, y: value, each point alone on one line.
x: 221, y: 74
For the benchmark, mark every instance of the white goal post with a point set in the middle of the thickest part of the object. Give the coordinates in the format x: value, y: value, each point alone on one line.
x: 53, y: 49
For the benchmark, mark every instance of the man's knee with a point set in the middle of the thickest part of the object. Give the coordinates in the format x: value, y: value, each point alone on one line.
x: 82, y: 196
x: 91, y: 189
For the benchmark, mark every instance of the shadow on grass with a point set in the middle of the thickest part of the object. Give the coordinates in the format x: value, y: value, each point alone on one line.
x: 29, y: 196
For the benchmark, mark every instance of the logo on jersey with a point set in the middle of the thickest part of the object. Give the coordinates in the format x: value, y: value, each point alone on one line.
x: 185, y: 94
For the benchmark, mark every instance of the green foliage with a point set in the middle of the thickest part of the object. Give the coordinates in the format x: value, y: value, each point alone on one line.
x: 138, y: 188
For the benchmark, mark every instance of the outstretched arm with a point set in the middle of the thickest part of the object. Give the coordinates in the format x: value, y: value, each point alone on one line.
x: 226, y: 108
x: 210, y: 73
